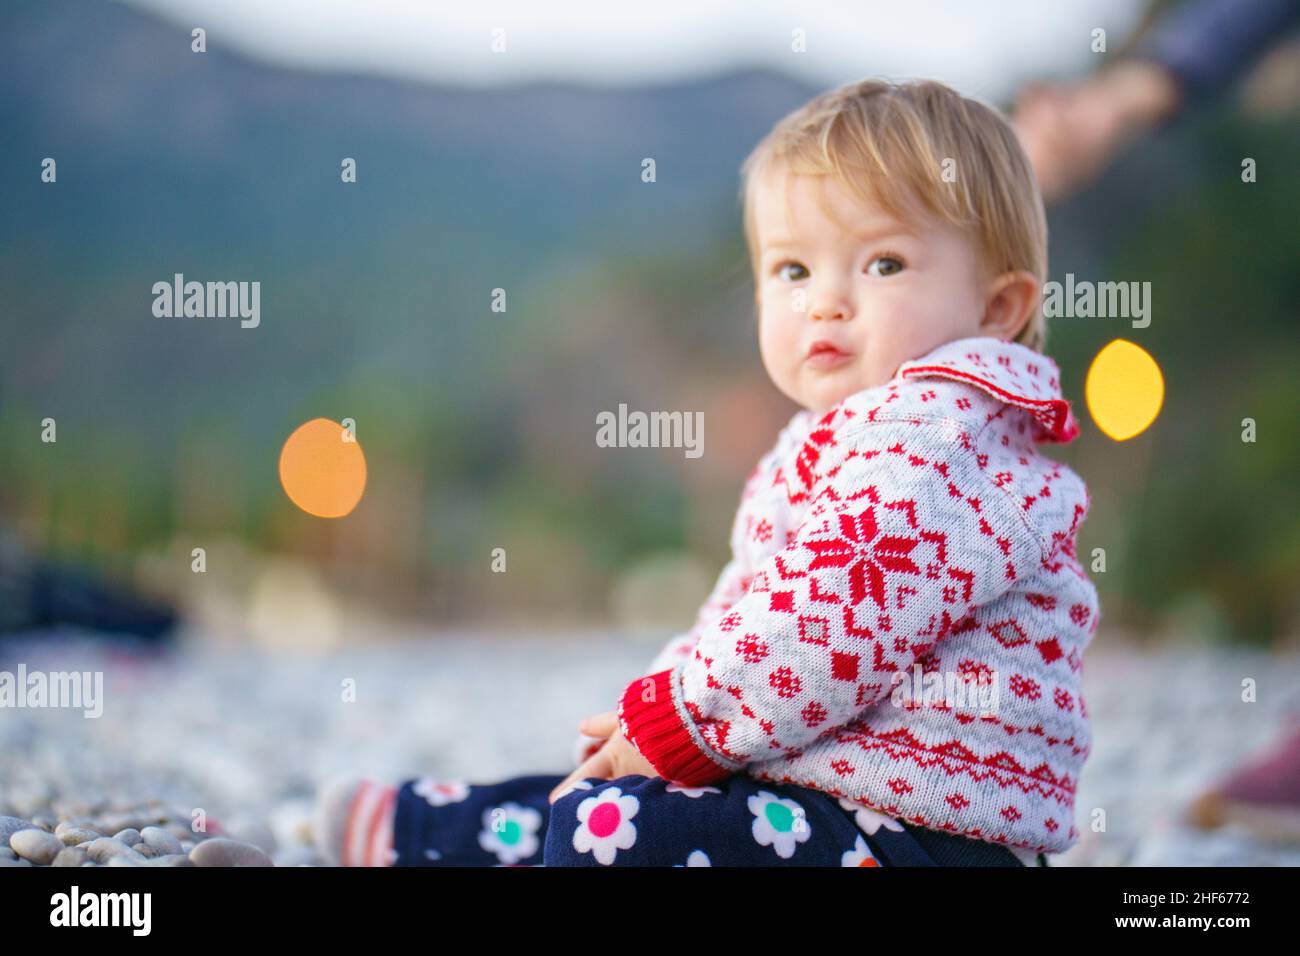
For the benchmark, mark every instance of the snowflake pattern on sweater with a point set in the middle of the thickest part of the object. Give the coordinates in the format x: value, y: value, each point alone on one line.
x: 914, y: 525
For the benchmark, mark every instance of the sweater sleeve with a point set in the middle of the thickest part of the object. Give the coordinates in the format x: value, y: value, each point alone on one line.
x: 733, y: 581
x: 903, y: 537
x: 729, y: 588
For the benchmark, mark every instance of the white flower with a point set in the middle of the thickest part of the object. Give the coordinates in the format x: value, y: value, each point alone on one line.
x: 868, y: 820
x: 510, y: 832
x: 860, y: 855
x: 697, y: 858
x: 778, y: 823
x: 439, y: 793
x: 690, y: 791
x: 605, y: 825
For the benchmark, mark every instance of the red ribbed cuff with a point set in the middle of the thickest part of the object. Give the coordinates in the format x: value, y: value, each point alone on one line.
x: 657, y: 729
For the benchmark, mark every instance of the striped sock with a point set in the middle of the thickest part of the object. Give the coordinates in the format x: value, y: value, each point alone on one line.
x: 354, y: 822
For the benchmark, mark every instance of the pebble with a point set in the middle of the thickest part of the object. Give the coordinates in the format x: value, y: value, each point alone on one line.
x: 126, y: 859
x: 222, y: 851
x: 171, y: 859
x: 75, y: 836
x: 45, y: 823
x: 247, y: 830
x: 179, y: 831
x: 39, y: 846
x: 159, y: 840
x: 15, y: 862
x: 105, y: 848
x: 70, y: 856
x: 11, y: 825
x: 7, y: 854
x: 116, y: 822
x: 130, y: 836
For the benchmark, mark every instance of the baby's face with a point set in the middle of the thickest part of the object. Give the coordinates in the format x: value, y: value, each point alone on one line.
x: 874, y: 294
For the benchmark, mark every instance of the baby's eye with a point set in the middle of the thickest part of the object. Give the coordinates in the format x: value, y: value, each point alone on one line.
x: 781, y: 271
x: 885, y: 266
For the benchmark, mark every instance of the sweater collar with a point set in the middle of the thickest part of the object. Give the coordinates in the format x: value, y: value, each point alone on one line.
x: 1008, y: 371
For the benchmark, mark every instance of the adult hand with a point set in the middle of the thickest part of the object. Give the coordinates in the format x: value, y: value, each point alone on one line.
x: 1071, y: 132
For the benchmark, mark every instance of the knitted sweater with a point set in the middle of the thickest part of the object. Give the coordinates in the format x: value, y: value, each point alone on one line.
x: 908, y: 545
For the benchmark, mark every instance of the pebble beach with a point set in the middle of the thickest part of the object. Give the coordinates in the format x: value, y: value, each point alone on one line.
x: 209, y: 755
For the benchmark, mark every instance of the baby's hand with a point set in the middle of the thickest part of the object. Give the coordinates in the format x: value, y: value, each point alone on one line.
x: 593, y: 731
x: 599, y: 725
x: 617, y: 758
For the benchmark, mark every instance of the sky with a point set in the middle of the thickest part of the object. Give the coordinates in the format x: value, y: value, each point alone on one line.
x: 980, y: 48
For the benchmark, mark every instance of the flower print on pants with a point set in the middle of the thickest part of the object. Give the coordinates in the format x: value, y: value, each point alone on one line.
x: 778, y: 823
x: 439, y: 793
x: 510, y: 832
x: 868, y: 820
x: 860, y: 855
x: 692, y: 792
x: 605, y: 825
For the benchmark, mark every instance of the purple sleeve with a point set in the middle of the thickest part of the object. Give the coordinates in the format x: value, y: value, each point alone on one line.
x: 1208, y: 44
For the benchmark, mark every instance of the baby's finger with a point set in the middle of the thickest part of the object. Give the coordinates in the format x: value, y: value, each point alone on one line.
x: 597, y: 766
x: 565, y: 784
x: 599, y: 725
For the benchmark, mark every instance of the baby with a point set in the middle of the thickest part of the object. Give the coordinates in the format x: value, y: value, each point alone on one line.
x: 888, y: 670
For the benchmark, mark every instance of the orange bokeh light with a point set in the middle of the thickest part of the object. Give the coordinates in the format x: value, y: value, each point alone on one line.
x: 321, y: 471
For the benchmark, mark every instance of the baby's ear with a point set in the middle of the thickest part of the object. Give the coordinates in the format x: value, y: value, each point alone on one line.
x: 1011, y: 301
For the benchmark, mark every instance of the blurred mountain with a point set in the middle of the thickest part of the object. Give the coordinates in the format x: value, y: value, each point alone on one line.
x: 375, y: 295
x: 222, y: 168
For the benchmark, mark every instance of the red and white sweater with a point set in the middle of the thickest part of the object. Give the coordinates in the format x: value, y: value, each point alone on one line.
x: 914, y: 524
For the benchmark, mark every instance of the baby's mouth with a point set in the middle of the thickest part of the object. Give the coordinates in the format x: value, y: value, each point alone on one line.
x: 825, y: 355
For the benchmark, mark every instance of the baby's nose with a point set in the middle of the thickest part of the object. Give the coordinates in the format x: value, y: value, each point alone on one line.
x: 830, y: 310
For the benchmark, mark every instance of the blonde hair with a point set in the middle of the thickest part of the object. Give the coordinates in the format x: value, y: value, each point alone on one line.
x: 888, y: 143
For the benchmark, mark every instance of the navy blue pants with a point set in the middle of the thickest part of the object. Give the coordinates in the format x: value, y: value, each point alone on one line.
x: 647, y: 821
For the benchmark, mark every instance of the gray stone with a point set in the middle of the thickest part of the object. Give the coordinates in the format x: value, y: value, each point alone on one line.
x: 11, y: 825
x: 179, y: 830
x: 117, y: 822
x: 130, y: 836
x: 70, y: 856
x: 161, y: 841
x: 222, y: 851
x: 15, y: 863
x: 248, y: 830
x: 126, y: 859
x: 74, y: 836
x: 39, y: 846
x: 46, y: 823
x: 7, y: 854
x: 105, y: 848
x: 171, y: 859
